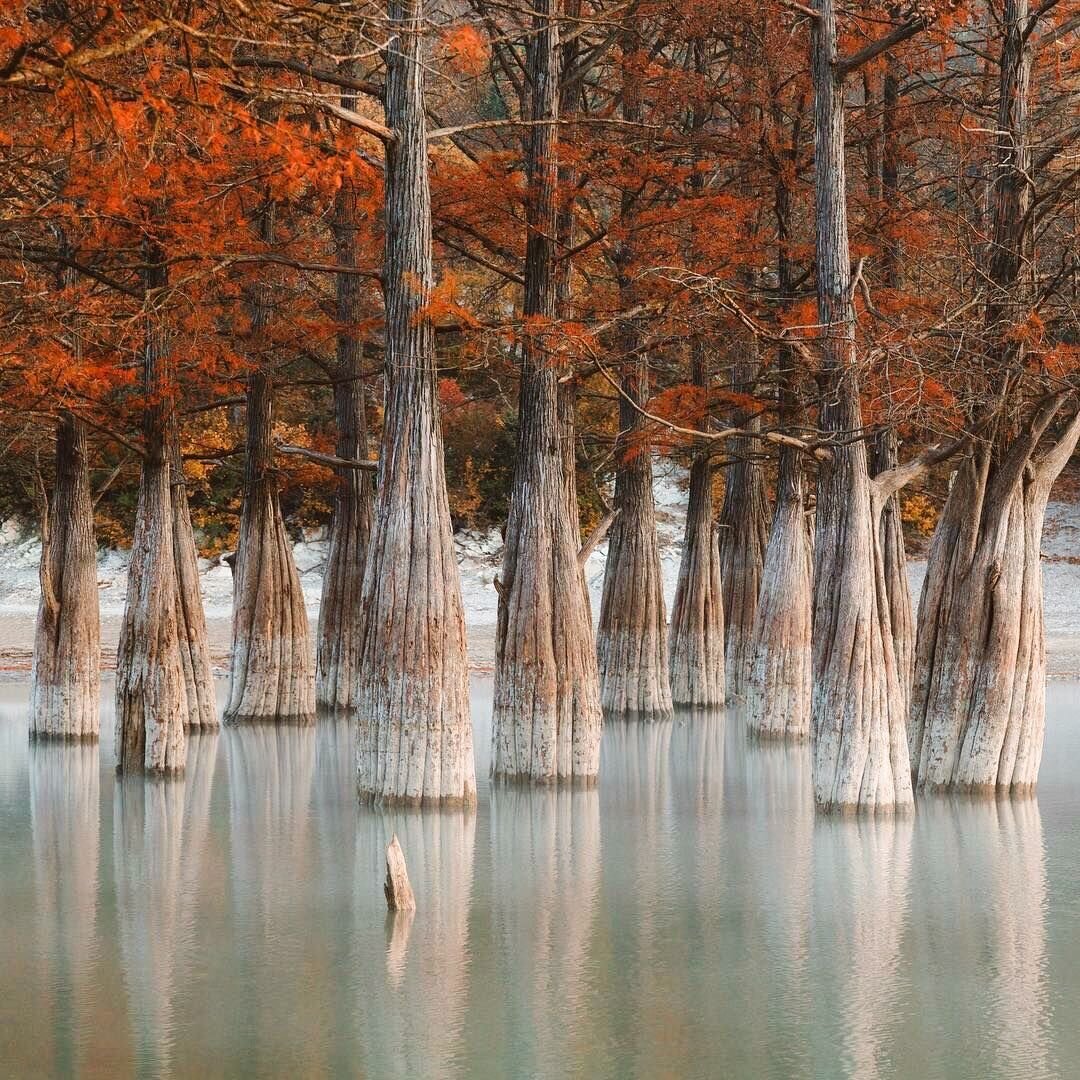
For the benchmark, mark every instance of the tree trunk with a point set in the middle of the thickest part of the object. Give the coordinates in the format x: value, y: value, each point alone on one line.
x: 151, y: 698
x: 65, y: 684
x: 338, y: 657
x: 860, y: 759
x: 884, y: 456
x: 778, y: 691
x: 546, y: 716
x: 271, y: 677
x: 697, y: 614
x: 744, y: 535
x: 978, y: 703
x: 415, y: 730
x: 190, y: 617
x: 631, y: 638
x: 632, y: 635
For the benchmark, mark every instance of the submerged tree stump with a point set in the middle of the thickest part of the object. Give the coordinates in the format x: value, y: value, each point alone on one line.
x: 398, y: 891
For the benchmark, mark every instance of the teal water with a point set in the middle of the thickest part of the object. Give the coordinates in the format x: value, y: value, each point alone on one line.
x: 690, y: 918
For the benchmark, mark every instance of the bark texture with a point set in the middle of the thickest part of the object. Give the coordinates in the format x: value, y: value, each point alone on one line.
x: 415, y: 730
x: 696, y: 643
x: 272, y: 676
x: 65, y: 683
x: 632, y: 646
x: 546, y: 718
x: 338, y: 653
x: 778, y: 693
x: 859, y: 746
x: 398, y: 891
x: 190, y: 617
x: 894, y: 556
x: 744, y: 535
x: 978, y: 703
x: 151, y: 697
x: 631, y: 638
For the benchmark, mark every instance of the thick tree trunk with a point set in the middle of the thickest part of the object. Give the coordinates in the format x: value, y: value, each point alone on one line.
x: 415, y: 730
x: 151, y: 697
x: 190, y: 617
x: 778, y: 692
x: 272, y: 677
x: 338, y: 656
x: 860, y: 758
x: 546, y: 717
x: 978, y: 703
x: 697, y: 615
x: 744, y: 535
x: 901, y: 614
x: 65, y: 684
x: 632, y: 635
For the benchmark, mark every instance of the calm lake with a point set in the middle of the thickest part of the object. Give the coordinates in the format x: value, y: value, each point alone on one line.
x: 690, y: 918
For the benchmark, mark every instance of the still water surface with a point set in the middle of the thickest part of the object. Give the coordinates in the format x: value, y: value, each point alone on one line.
x: 690, y: 918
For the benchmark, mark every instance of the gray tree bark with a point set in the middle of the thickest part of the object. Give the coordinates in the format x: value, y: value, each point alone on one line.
x: 978, y: 703
x: 546, y: 717
x: 859, y: 748
x: 338, y: 655
x: 743, y: 535
x: 190, y: 617
x: 415, y: 730
x: 151, y: 697
x: 271, y: 676
x: 696, y: 647
x: 65, y: 684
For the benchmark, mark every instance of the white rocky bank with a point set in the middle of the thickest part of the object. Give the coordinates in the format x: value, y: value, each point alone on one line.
x: 479, y: 558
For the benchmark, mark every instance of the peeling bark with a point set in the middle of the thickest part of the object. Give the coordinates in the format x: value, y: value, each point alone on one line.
x: 415, y: 729
x: 65, y: 683
x: 744, y: 535
x: 546, y: 716
x: 859, y: 746
x: 338, y: 653
x: 696, y: 648
x: 190, y: 617
x: 271, y: 677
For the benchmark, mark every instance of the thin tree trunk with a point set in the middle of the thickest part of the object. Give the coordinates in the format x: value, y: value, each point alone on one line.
x: 546, y: 717
x: 631, y: 638
x: 338, y: 655
x: 744, y: 535
x: 190, y: 617
x: 860, y: 758
x: 65, y: 683
x: 272, y: 677
x: 151, y: 699
x: 697, y: 615
x: 978, y: 703
x: 415, y: 730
